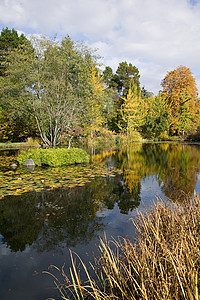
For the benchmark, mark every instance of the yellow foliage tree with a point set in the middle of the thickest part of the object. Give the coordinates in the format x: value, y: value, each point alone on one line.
x: 95, y: 102
x: 180, y: 93
x: 133, y: 109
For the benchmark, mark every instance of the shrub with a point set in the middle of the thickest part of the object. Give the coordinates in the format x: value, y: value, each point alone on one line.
x: 35, y: 154
x: 54, y: 157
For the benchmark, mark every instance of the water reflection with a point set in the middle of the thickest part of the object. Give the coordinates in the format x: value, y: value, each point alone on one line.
x: 61, y: 216
x: 71, y: 206
x: 68, y: 216
x: 174, y: 166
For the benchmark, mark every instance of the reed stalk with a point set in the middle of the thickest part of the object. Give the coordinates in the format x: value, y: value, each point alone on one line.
x: 162, y: 263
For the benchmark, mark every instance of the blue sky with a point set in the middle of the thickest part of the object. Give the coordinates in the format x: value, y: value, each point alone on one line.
x: 155, y: 36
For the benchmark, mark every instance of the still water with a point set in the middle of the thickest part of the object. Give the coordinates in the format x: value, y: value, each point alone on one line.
x: 46, y: 212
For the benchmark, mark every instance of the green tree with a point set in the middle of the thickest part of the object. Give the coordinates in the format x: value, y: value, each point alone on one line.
x: 51, y: 82
x: 156, y: 124
x: 15, y: 124
x: 9, y: 40
x: 145, y: 94
x: 120, y: 83
x: 108, y: 76
x: 127, y: 72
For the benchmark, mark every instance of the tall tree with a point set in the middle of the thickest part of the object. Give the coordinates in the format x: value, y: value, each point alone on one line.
x: 145, y: 94
x: 127, y: 72
x: 95, y: 102
x: 112, y: 80
x: 156, y: 124
x: 52, y: 82
x: 133, y: 109
x: 180, y: 93
x: 9, y: 40
x: 15, y: 125
x: 108, y: 75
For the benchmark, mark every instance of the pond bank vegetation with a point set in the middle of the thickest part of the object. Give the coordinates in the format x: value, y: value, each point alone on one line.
x: 162, y: 263
x: 54, y: 157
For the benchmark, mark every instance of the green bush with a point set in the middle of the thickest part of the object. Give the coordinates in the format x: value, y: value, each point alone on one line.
x: 30, y: 153
x: 54, y: 157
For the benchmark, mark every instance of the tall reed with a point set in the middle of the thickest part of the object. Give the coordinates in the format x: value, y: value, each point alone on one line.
x: 163, y: 263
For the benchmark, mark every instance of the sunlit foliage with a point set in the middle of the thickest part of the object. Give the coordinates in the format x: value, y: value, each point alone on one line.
x: 180, y: 94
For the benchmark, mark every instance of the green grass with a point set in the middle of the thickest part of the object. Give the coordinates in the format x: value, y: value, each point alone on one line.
x: 54, y: 157
x: 163, y: 263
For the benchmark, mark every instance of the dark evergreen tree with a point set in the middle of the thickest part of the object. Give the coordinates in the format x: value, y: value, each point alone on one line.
x: 9, y: 40
x: 125, y: 73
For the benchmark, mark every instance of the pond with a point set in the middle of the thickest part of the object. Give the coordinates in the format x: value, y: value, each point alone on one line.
x: 48, y: 211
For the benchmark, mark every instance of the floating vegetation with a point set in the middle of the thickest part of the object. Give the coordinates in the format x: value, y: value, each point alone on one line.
x: 18, y: 181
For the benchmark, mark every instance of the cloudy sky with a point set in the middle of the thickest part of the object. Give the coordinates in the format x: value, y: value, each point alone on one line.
x: 154, y: 35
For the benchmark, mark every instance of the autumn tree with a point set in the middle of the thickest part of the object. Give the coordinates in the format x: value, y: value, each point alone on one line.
x: 95, y: 103
x: 180, y: 94
x: 133, y: 109
x: 120, y: 83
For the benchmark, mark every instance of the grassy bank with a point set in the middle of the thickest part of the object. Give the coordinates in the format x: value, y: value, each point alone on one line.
x: 30, y: 142
x: 13, y: 145
x: 162, y: 263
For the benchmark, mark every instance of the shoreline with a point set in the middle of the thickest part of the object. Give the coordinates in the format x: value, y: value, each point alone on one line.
x: 8, y: 146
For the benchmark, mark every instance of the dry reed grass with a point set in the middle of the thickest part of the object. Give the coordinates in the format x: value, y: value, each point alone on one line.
x: 163, y: 263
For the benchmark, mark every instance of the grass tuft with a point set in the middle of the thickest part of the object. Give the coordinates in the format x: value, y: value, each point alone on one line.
x: 162, y: 263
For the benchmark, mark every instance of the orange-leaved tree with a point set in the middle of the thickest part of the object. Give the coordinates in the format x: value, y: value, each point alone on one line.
x: 181, y: 97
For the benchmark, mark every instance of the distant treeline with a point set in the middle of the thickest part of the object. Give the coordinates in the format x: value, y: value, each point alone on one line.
x: 57, y: 91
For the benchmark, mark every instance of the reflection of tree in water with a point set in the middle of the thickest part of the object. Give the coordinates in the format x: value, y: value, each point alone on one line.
x: 111, y: 190
x: 6, y: 158
x: 64, y: 217
x: 126, y: 192
x: 183, y: 165
x: 53, y: 217
x: 17, y: 221
x: 175, y: 167
x: 60, y: 217
x: 131, y: 162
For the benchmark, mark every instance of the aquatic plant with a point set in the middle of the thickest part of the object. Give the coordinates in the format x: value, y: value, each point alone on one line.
x: 162, y: 263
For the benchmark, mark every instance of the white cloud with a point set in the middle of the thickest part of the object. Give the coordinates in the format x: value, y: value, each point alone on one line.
x: 157, y: 35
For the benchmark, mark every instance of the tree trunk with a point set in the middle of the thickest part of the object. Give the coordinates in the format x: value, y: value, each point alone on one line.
x: 70, y: 142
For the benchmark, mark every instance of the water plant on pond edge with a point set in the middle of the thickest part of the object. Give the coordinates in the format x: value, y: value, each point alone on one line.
x: 163, y: 262
x: 54, y: 157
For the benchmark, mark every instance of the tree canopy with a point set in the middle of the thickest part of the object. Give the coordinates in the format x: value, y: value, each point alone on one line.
x: 56, y: 90
x: 52, y: 84
x: 180, y: 94
x: 9, y: 40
